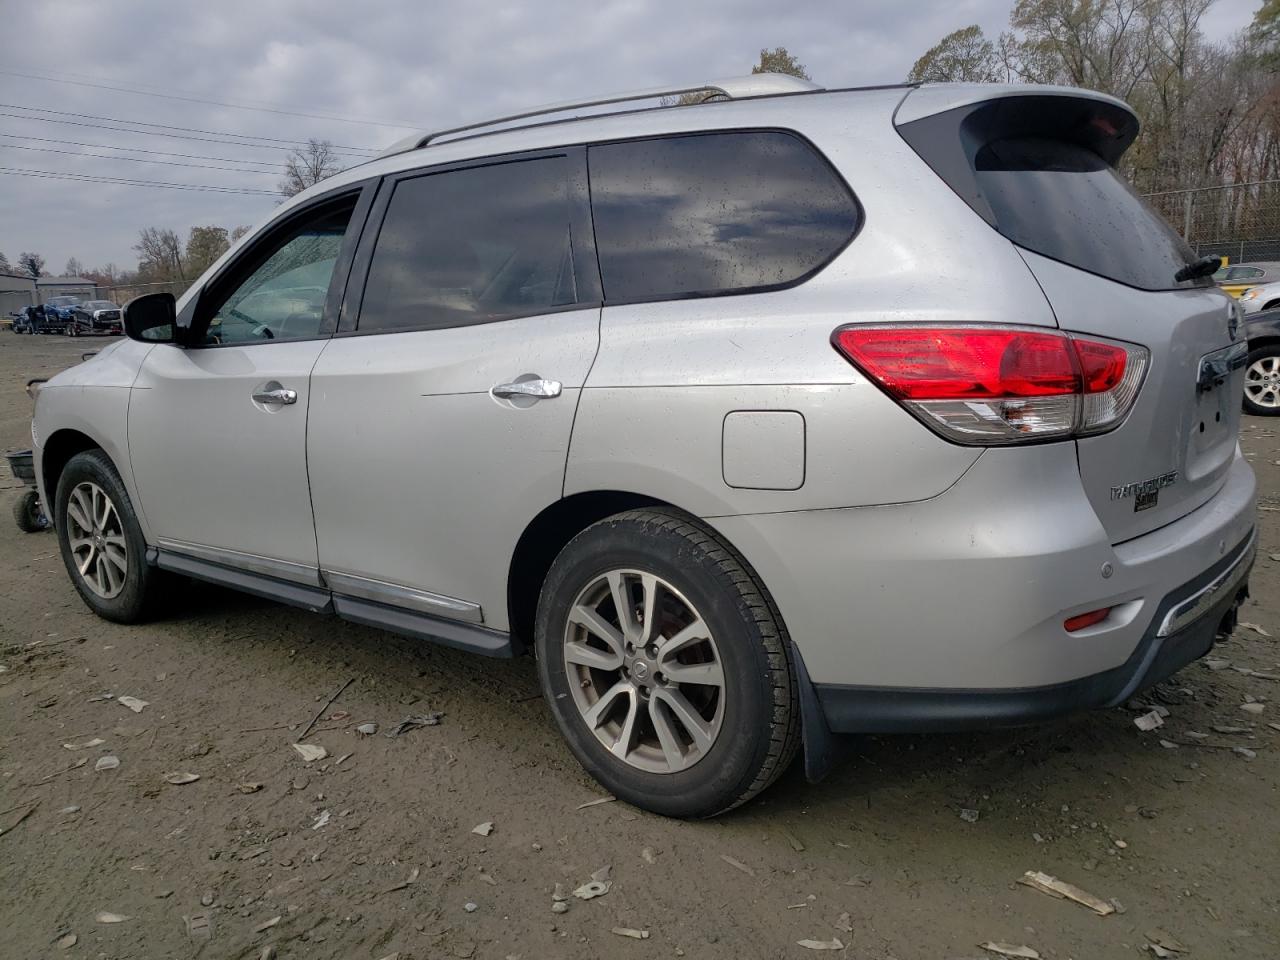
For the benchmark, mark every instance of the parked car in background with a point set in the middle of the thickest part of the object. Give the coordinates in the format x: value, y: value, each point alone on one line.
x: 1236, y: 278
x: 40, y: 319
x: 95, y: 316
x: 1262, y: 373
x: 640, y: 392
x: 60, y: 307
x: 1262, y: 296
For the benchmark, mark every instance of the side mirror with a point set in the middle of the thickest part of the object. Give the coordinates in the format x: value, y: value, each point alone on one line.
x: 151, y: 318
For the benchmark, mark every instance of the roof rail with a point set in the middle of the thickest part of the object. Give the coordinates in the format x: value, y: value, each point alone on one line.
x: 755, y: 85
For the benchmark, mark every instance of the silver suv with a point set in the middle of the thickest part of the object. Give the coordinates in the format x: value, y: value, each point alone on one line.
x: 788, y: 413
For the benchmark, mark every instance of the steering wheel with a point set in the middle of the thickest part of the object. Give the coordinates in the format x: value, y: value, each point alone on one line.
x: 255, y: 328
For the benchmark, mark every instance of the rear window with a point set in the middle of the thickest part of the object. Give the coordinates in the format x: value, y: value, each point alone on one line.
x: 1040, y: 169
x: 716, y: 213
x: 1064, y: 201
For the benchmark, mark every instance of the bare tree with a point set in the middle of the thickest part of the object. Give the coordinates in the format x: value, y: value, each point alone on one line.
x: 160, y: 254
x: 5, y: 266
x: 239, y: 232
x: 965, y: 55
x: 32, y: 264
x: 307, y: 166
x: 74, y: 268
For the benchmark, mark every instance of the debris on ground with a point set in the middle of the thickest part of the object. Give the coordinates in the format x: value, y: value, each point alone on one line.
x: 647, y: 855
x: 1010, y: 950
x: 844, y: 923
x: 67, y: 942
x: 178, y: 779
x: 597, y: 886
x: 249, y: 787
x: 102, y: 696
x: 412, y: 878
x: 559, y: 906
x: 738, y: 865
x: 413, y: 723
x: 833, y: 944
x: 1162, y: 944
x: 107, y: 763
x: 328, y: 703
x: 483, y: 829
x: 88, y: 744
x: 1224, y: 729
x: 1256, y: 628
x: 1148, y: 721
x: 796, y: 844
x: 1254, y: 708
x: 367, y: 729
x: 267, y: 924
x: 133, y: 703
x: 198, y: 926
x: 632, y: 933
x: 321, y: 820
x: 26, y: 813
x: 470, y: 906
x: 104, y: 916
x: 1216, y: 663
x: 1063, y: 890
x: 968, y: 815
x: 1244, y: 752
x: 596, y: 802
x: 558, y: 895
x: 310, y: 752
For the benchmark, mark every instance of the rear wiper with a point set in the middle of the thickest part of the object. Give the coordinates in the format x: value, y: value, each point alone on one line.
x: 1204, y: 267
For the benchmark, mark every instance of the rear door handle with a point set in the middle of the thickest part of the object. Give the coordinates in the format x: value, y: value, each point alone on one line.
x: 276, y: 396
x: 538, y: 389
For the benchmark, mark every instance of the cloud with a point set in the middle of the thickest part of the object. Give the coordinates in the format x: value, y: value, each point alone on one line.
x: 426, y: 64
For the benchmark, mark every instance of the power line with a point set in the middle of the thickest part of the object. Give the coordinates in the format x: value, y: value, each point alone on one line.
x: 166, y: 126
x: 129, y: 182
x: 161, y: 153
x: 217, y: 103
x: 158, y: 133
x: 107, y: 156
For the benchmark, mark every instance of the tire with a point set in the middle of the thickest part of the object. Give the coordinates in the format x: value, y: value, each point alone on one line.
x: 749, y: 724
x: 73, y: 330
x: 27, y: 513
x: 131, y: 584
x: 1262, y: 381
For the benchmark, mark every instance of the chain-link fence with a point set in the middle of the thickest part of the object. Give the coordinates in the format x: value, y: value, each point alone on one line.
x: 1239, y: 221
x: 123, y: 293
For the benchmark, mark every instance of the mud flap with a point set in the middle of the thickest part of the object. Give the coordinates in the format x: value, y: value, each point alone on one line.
x: 815, y: 734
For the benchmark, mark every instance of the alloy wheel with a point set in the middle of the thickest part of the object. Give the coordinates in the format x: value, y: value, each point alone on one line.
x: 645, y: 672
x: 96, y: 538
x: 1262, y: 382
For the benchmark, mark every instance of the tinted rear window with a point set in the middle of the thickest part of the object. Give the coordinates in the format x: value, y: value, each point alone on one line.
x: 470, y: 246
x: 1040, y: 169
x: 714, y: 213
x: 1064, y: 201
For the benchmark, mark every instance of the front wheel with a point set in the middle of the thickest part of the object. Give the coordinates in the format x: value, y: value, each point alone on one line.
x: 667, y: 669
x: 1262, y: 381
x: 101, y: 541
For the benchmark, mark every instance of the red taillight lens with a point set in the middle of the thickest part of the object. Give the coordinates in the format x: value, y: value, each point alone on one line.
x: 1084, y: 620
x: 994, y: 385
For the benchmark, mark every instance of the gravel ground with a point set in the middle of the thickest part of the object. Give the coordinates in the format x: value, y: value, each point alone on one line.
x: 376, y: 855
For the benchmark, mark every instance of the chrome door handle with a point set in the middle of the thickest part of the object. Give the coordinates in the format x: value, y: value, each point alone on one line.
x: 276, y: 396
x: 538, y: 389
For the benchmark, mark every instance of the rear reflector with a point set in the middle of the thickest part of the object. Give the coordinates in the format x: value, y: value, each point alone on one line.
x: 997, y: 385
x: 1084, y: 620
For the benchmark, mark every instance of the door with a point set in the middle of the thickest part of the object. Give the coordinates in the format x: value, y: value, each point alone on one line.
x: 440, y: 421
x: 217, y: 430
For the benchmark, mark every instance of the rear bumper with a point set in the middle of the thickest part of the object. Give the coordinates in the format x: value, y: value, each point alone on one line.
x: 1205, y: 606
x: 949, y: 612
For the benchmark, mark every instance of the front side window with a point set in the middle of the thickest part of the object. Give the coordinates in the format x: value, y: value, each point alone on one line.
x: 470, y: 246
x: 283, y: 296
x: 714, y: 213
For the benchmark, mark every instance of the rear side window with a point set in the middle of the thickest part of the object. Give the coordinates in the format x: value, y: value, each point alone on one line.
x: 1040, y: 169
x: 470, y: 246
x: 714, y: 214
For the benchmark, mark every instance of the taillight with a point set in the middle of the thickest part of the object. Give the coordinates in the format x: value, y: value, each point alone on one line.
x: 998, y: 385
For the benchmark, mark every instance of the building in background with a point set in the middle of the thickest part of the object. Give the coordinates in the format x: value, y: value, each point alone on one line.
x: 16, y: 291
x: 47, y: 287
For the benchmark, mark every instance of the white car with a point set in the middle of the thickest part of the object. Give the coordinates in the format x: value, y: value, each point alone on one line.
x: 1265, y: 296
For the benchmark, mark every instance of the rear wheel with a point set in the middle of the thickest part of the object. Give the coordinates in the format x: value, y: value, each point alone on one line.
x: 666, y: 667
x: 1262, y: 381
x: 101, y: 541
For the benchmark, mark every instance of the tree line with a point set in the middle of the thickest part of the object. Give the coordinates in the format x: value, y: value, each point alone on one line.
x: 1209, y: 111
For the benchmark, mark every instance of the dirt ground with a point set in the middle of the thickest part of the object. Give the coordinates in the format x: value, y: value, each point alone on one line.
x: 375, y: 855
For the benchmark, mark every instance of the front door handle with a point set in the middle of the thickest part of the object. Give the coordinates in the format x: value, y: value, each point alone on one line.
x: 537, y: 389
x: 280, y: 395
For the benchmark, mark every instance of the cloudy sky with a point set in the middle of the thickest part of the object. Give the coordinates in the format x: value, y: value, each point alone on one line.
x: 384, y: 66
